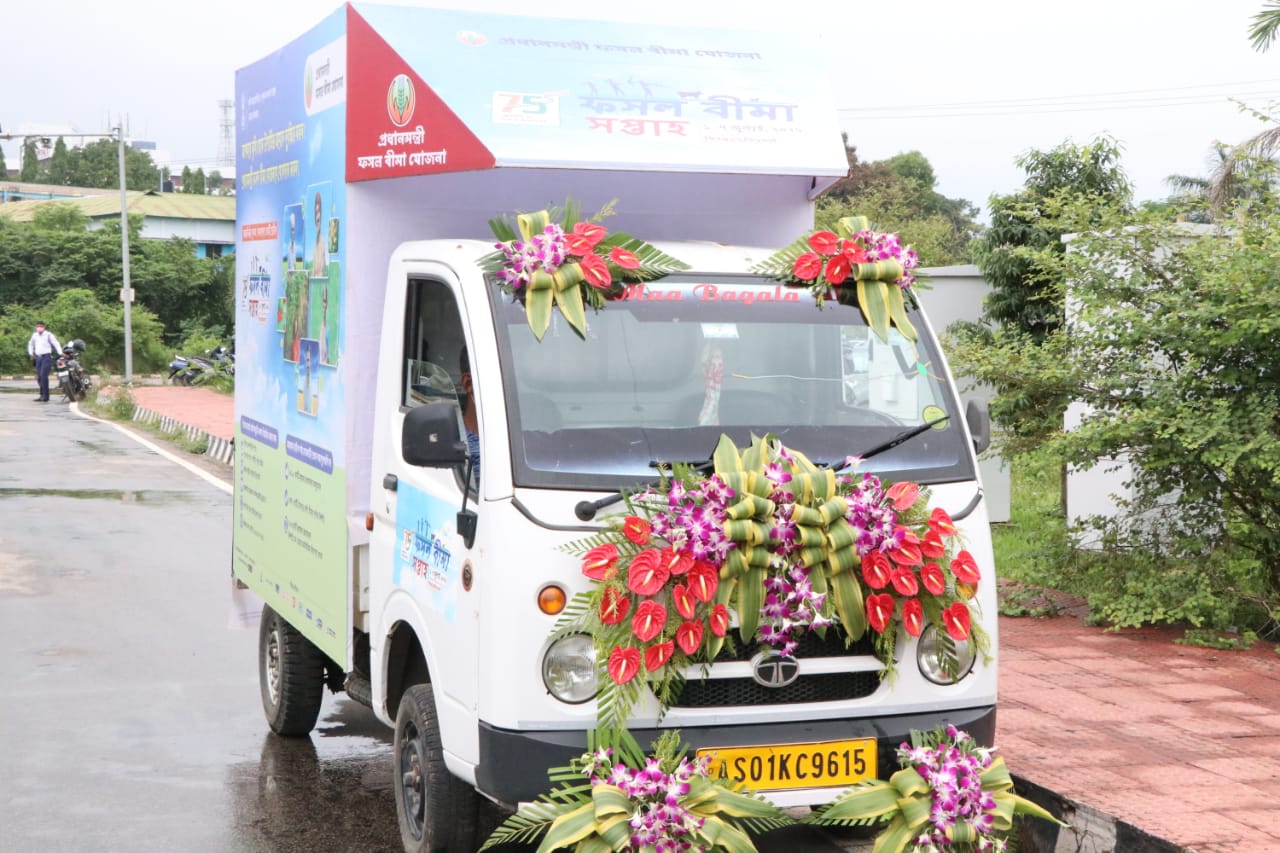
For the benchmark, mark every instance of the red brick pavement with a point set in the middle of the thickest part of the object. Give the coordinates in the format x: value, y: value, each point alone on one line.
x: 1177, y: 742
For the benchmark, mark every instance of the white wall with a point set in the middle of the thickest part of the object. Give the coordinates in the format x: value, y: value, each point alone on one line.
x: 956, y: 293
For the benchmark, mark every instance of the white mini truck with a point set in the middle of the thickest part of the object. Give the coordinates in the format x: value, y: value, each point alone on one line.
x: 363, y: 204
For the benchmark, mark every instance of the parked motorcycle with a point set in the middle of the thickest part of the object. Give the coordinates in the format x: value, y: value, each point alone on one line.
x: 72, y: 378
x: 217, y: 363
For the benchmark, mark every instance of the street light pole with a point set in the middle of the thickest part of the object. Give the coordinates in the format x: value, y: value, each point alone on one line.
x: 126, y: 291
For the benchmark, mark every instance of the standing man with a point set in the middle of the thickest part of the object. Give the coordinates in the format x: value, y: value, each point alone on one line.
x: 42, y: 348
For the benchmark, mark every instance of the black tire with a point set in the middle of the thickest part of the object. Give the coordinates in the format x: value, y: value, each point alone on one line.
x: 290, y: 676
x: 437, y: 811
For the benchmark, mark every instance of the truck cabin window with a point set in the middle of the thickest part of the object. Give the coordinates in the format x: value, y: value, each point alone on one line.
x: 433, y: 344
x: 666, y: 370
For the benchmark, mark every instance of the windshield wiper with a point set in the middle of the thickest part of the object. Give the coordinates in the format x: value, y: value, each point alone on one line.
x: 900, y: 438
x: 586, y: 510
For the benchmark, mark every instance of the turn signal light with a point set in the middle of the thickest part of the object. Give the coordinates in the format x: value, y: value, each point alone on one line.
x: 552, y: 599
x: 368, y: 521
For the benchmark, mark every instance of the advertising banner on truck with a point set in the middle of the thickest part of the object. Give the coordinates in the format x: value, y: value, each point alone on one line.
x: 290, y: 535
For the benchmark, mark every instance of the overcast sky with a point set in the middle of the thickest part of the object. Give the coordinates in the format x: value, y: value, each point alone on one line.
x: 970, y: 85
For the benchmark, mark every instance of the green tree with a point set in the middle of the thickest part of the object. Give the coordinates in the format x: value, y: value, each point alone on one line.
x: 899, y: 194
x: 188, y: 178
x: 198, y: 184
x: 98, y: 165
x: 1023, y: 296
x: 214, y: 183
x: 1265, y: 26
x: 30, y: 171
x: 4, y: 170
x: 1173, y: 351
x: 60, y: 164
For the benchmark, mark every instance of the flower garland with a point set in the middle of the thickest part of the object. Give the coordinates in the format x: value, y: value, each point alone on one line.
x: 949, y: 795
x: 784, y: 546
x: 662, y: 802
x: 879, y: 267
x: 554, y: 257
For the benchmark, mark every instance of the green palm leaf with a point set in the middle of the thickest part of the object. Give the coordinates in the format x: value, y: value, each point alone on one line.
x: 528, y: 824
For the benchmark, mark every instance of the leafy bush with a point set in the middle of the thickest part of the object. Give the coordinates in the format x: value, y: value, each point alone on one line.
x: 1173, y: 353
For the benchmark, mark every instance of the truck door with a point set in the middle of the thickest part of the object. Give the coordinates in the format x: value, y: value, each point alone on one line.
x: 422, y: 566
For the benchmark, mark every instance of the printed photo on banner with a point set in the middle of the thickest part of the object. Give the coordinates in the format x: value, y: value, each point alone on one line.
x: 319, y: 198
x: 293, y: 238
x: 297, y: 313
x: 308, y: 374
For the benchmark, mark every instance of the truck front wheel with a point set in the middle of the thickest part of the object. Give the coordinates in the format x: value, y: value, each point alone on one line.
x: 290, y: 676
x: 437, y: 811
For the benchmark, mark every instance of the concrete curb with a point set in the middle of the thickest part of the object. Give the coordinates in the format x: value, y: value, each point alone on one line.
x: 218, y: 449
x: 1087, y: 830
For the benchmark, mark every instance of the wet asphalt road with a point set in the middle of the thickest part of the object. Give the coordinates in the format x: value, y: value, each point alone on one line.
x: 130, y: 718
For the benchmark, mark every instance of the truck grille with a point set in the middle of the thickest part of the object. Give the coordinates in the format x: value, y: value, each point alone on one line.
x: 825, y: 687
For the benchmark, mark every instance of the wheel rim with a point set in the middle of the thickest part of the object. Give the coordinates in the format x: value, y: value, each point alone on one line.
x: 412, y: 781
x: 271, y: 655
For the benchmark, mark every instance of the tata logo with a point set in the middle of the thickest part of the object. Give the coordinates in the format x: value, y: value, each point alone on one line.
x: 401, y: 99
x: 774, y: 670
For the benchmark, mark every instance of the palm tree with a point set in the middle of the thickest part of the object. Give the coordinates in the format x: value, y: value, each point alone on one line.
x: 1228, y: 180
x: 1266, y: 25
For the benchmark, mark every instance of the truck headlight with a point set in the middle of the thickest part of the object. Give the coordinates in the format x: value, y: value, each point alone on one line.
x: 942, y: 659
x: 569, y: 669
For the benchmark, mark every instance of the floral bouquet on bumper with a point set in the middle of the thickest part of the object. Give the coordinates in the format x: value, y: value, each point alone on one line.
x: 950, y: 795
x: 766, y: 547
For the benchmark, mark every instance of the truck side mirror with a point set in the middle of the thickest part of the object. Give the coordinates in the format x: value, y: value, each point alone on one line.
x: 431, y: 436
x: 979, y: 421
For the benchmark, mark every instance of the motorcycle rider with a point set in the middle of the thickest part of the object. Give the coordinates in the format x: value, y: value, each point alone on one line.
x: 43, y: 347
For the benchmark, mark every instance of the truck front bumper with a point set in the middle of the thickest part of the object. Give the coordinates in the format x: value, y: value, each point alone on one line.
x: 513, y: 764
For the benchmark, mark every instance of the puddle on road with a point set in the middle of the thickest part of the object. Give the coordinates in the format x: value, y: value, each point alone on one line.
x: 140, y: 496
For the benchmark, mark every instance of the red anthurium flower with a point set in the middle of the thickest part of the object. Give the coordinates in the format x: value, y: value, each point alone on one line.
x: 906, y: 554
x: 623, y: 258
x: 703, y: 580
x: 588, y: 232
x: 684, y: 600
x: 649, y: 620
x: 879, y: 611
x: 965, y: 568
x: 719, y: 620
x: 689, y: 636
x: 933, y: 578
x: 838, y: 269
x: 601, y: 562
x: 677, y: 562
x: 940, y: 521
x: 807, y: 266
x: 577, y: 245
x: 932, y: 546
x: 823, y: 242
x: 596, y: 272
x: 646, y: 574
x: 904, y: 581
x: 913, y: 616
x: 876, y: 570
x: 956, y: 620
x: 903, y: 494
x: 624, y: 663
x: 855, y: 253
x: 636, y: 529
x: 613, y: 606
x: 656, y: 657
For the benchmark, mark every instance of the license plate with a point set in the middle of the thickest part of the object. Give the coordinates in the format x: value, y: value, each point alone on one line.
x: 62, y: 374
x: 836, y: 763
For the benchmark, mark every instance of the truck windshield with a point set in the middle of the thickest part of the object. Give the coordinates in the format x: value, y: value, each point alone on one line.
x: 673, y: 365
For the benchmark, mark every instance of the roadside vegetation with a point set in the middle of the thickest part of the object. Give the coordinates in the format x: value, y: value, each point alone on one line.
x: 1168, y: 361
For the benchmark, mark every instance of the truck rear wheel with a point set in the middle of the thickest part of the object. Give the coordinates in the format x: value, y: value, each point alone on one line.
x: 290, y: 676
x: 437, y: 811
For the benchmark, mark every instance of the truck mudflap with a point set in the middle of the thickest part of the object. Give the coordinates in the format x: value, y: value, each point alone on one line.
x: 513, y: 765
